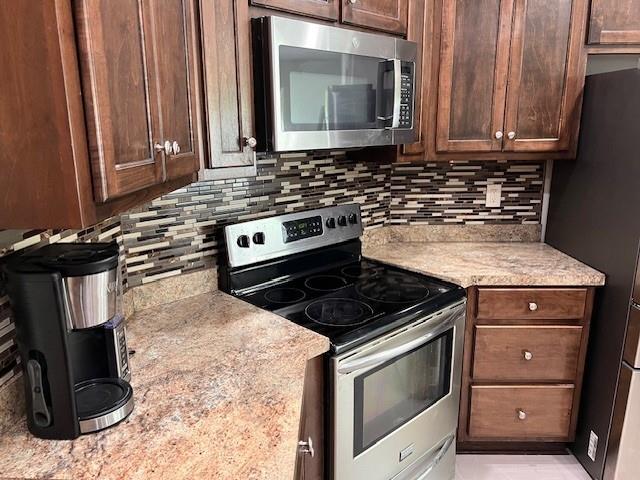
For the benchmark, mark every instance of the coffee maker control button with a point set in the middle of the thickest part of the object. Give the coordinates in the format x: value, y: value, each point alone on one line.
x: 353, y: 218
x: 243, y: 241
x: 342, y: 221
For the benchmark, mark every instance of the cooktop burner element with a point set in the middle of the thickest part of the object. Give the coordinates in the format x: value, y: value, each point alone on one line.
x: 285, y: 295
x: 393, y: 287
x: 339, y: 312
x: 325, y: 283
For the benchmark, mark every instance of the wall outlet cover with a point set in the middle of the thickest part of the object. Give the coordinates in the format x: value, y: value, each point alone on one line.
x: 494, y: 194
x: 593, y: 446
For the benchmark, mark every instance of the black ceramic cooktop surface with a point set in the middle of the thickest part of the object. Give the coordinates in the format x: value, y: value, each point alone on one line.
x: 355, y: 302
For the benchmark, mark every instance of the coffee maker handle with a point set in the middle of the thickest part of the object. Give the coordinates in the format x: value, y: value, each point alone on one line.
x: 39, y: 410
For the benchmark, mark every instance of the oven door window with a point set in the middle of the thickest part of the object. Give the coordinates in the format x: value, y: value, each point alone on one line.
x: 321, y: 90
x: 393, y: 393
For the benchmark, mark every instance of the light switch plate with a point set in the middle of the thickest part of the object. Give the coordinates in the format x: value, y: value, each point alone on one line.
x: 593, y: 446
x: 494, y: 194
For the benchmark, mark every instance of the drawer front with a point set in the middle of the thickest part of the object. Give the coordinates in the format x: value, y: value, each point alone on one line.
x: 531, y: 303
x: 531, y: 353
x: 533, y: 413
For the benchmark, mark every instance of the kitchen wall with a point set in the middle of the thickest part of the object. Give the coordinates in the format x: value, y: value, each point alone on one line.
x: 179, y: 232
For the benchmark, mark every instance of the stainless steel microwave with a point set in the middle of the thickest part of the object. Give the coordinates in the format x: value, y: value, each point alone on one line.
x: 318, y: 87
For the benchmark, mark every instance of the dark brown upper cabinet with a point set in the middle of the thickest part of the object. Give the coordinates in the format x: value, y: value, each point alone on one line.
x: 323, y: 9
x: 546, y: 76
x: 507, y: 80
x: 228, y: 88
x: 102, y: 104
x: 385, y: 15
x: 615, y: 22
x: 138, y: 85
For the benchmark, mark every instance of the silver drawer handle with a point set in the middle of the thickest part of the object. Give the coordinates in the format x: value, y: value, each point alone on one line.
x: 306, y: 448
x: 533, y: 306
x: 522, y: 415
x: 527, y: 355
x: 165, y: 147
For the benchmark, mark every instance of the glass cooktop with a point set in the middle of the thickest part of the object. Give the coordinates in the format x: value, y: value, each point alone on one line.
x: 352, y: 303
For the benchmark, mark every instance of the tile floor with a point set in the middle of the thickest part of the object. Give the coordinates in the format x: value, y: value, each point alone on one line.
x: 519, y: 467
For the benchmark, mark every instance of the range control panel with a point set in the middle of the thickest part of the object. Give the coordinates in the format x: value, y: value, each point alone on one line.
x: 270, y: 238
x: 294, y: 230
x: 407, y: 76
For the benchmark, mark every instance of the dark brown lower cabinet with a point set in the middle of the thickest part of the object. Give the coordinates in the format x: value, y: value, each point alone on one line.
x: 523, y: 364
x: 311, y: 467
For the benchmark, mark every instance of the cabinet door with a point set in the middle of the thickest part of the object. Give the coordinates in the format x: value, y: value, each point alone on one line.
x: 325, y: 9
x: 120, y: 95
x: 177, y: 52
x: 227, y: 80
x: 385, y: 15
x: 615, y: 22
x: 546, y: 75
x: 312, y: 421
x: 473, y: 71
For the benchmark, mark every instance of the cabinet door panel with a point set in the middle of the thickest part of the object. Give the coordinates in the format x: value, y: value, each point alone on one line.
x: 227, y: 79
x: 615, y: 22
x: 326, y: 9
x: 545, y: 75
x: 473, y: 70
x: 385, y: 15
x: 120, y: 96
x: 175, y: 50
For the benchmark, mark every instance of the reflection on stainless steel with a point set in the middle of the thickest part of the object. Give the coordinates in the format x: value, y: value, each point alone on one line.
x: 91, y: 299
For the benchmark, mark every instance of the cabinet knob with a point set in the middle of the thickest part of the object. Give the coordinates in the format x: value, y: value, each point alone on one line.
x: 352, y: 1
x: 511, y: 135
x: 176, y: 147
x: 533, y: 306
x: 165, y: 147
x: 306, y: 448
x: 522, y: 415
x: 527, y: 355
x: 499, y: 135
x: 250, y: 142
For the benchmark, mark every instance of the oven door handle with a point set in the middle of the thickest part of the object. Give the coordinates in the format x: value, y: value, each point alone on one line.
x: 381, y: 357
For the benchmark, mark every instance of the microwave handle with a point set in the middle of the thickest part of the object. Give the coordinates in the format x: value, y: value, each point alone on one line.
x: 397, y: 92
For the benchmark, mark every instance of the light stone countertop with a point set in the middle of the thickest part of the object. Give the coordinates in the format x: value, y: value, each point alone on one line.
x: 488, y: 263
x: 218, y: 390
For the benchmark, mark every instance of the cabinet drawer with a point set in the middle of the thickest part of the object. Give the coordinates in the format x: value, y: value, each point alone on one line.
x: 531, y: 303
x: 521, y: 412
x: 531, y: 353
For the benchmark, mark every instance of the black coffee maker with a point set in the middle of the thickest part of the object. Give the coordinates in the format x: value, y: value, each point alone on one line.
x: 71, y: 338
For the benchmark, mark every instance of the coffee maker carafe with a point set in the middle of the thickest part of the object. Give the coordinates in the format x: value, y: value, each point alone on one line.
x: 71, y: 338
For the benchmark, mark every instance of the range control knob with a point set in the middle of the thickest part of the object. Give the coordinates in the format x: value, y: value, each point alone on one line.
x: 353, y: 218
x: 258, y: 238
x: 243, y: 241
x: 342, y: 221
x: 331, y: 222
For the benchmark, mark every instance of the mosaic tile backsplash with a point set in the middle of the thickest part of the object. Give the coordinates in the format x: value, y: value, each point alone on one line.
x: 179, y: 231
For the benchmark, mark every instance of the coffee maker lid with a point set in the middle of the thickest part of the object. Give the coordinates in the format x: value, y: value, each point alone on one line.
x: 70, y: 259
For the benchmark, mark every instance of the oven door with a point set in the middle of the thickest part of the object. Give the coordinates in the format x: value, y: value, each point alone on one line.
x: 396, y: 400
x: 338, y: 88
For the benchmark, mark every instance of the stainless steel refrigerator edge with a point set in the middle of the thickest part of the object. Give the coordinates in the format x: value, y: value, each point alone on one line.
x: 593, y: 216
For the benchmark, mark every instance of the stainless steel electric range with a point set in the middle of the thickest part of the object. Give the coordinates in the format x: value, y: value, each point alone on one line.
x: 396, y: 339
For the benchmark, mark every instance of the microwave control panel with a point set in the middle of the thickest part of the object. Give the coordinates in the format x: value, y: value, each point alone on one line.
x: 407, y: 75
